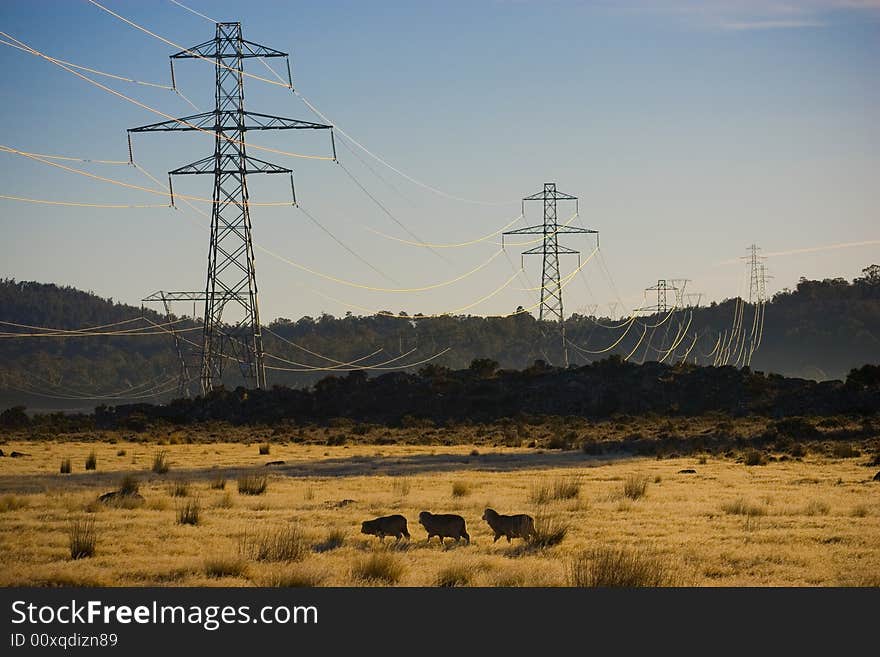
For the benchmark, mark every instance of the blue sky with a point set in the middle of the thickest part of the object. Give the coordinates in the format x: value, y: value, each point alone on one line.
x: 689, y: 130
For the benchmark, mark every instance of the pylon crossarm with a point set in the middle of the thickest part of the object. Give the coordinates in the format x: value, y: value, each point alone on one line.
x: 559, y: 196
x: 574, y: 230
x: 270, y: 122
x: 210, y: 120
x: 209, y: 50
x: 530, y: 230
x: 229, y: 164
x: 561, y: 250
x: 201, y: 121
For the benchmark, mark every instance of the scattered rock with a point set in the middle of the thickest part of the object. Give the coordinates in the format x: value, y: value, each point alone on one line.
x: 114, y: 495
x: 687, y: 471
x: 275, y: 463
x: 340, y: 504
x: 16, y: 455
x: 877, y: 477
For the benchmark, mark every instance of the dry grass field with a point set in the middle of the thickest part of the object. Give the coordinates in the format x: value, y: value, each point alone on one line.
x: 603, y: 519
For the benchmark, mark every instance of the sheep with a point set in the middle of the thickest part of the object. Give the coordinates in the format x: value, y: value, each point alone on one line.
x: 394, y: 525
x: 516, y: 526
x: 443, y: 525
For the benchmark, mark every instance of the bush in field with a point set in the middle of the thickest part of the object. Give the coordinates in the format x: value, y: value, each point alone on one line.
x: 82, y: 537
x: 253, y: 484
x: 287, y: 543
x: 618, y: 567
x: 160, y: 462
x: 563, y: 488
x: 379, y: 567
x: 635, y: 486
x: 189, y: 513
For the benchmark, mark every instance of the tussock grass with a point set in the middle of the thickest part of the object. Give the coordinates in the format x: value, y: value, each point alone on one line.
x: 508, y: 578
x: 635, y: 486
x: 12, y: 503
x: 817, y: 508
x: 92, y: 461
x: 379, y: 567
x: 253, y: 484
x: 120, y: 452
x: 549, y: 531
x: 461, y: 489
x: 457, y: 574
x: 335, y: 539
x: 740, y: 507
x: 401, y: 486
x: 65, y: 466
x: 189, y: 513
x: 225, y: 567
x: 293, y: 579
x: 860, y: 511
x: 225, y: 501
x: 128, y: 485
x: 264, y: 449
x: 561, y: 488
x: 617, y: 567
x: 287, y: 543
x: 218, y: 482
x: 82, y: 538
x: 160, y: 462
x: 179, y: 489
x: 754, y: 457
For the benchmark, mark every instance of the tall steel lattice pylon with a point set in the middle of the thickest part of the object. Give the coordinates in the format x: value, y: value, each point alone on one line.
x: 662, y: 288
x: 231, y: 279
x: 551, y: 308
x: 756, y: 284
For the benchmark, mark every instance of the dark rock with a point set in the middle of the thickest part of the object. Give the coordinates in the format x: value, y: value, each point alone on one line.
x: 687, y: 471
x: 275, y: 463
x: 16, y: 455
x: 1, y: 453
x: 340, y: 504
x: 114, y: 495
x: 877, y: 477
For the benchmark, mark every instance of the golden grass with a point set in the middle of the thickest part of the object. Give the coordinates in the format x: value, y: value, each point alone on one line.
x: 811, y: 530
x: 618, y: 567
x: 82, y: 537
x: 252, y: 484
x: 561, y: 488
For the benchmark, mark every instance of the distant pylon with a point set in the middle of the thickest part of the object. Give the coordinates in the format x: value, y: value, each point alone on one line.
x: 756, y: 295
x: 693, y: 299
x: 231, y: 279
x: 762, y: 282
x: 679, y: 285
x: 661, y: 288
x: 551, y: 307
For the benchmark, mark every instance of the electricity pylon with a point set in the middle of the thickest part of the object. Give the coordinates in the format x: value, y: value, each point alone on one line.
x: 762, y: 282
x: 679, y: 285
x: 231, y: 275
x: 693, y: 299
x: 551, y: 287
x: 756, y: 294
x: 661, y: 288
x: 188, y: 357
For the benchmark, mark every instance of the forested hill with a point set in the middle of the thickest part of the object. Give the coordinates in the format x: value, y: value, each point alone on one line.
x: 821, y: 330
